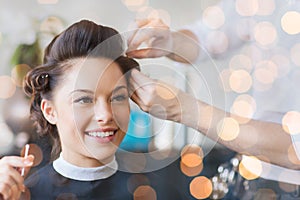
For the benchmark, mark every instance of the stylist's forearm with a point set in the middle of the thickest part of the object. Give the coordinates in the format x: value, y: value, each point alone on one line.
x: 185, y: 47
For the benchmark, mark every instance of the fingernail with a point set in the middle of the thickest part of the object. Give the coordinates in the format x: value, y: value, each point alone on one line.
x: 28, y: 162
x: 23, y: 188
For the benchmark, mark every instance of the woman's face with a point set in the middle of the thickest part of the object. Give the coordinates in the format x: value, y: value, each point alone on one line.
x: 91, y: 106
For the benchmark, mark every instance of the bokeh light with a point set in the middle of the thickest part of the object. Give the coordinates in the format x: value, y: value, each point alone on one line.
x: 228, y: 129
x: 247, y: 163
x: 246, y: 8
x: 191, y: 160
x: 266, y: 7
x: 18, y: 73
x: 218, y: 42
x: 291, y: 122
x: 240, y: 81
x: 201, y: 187
x: 290, y: 22
x: 295, y: 54
x: 243, y: 106
x: 240, y: 61
x: 160, y: 14
x: 144, y: 192
x: 213, y: 17
x: 265, y: 33
x: 134, y: 5
x: 191, y: 171
x: 8, y: 87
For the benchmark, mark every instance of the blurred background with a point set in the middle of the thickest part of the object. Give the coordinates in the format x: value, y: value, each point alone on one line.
x: 26, y: 27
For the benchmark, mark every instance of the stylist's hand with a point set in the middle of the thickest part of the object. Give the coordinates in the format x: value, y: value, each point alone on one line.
x: 159, y: 99
x: 155, y: 34
x: 11, y: 181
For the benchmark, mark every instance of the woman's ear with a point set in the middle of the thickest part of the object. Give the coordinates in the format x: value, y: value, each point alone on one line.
x: 49, y: 112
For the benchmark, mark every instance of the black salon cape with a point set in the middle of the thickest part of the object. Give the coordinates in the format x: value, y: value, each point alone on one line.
x: 46, y: 183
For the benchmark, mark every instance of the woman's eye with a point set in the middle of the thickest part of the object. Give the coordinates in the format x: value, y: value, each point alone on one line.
x: 119, y: 98
x: 84, y: 100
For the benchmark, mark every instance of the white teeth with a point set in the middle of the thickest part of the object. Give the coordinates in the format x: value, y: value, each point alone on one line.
x: 101, y: 134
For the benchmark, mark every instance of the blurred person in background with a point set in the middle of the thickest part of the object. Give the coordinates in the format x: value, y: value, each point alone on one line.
x: 272, y: 39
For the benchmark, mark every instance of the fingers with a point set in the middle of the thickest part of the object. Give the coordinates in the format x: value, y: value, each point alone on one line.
x: 155, y: 34
x: 11, y: 182
x: 16, y: 161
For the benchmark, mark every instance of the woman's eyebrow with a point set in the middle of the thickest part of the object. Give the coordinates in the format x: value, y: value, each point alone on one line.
x: 119, y: 88
x: 82, y: 90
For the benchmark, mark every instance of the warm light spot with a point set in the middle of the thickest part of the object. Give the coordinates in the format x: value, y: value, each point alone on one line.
x: 250, y: 167
x: 6, y: 136
x: 240, y: 81
x: 201, y: 187
x: 246, y: 8
x: 191, y: 171
x: 217, y: 42
x: 243, y: 106
x: 192, y: 148
x: 166, y: 92
x: 253, y: 52
x: 136, y: 180
x: 228, y: 129
x: 291, y: 122
x: 266, y: 72
x: 36, y: 151
x: 266, y: 7
x: 191, y: 160
x: 160, y: 14
x: 213, y: 17
x: 282, y: 63
x: 224, y: 79
x: 134, y: 162
x: 18, y: 73
x: 47, y: 1
x: 295, y: 54
x: 52, y: 25
x: 144, y: 192
x: 265, y: 33
x: 8, y: 87
x: 240, y: 61
x: 292, y: 155
x: 134, y: 5
x: 290, y: 22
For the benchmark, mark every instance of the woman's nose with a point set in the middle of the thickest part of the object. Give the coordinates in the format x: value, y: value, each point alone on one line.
x: 103, y: 112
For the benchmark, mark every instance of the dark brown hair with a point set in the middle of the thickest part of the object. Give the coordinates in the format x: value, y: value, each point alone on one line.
x: 82, y: 39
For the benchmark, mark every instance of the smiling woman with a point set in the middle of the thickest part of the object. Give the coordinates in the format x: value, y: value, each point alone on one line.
x: 80, y: 97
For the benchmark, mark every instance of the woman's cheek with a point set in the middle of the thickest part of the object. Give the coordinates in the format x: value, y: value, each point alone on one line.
x: 122, y: 117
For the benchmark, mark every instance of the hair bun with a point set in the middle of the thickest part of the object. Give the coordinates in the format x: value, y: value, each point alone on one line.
x: 36, y: 81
